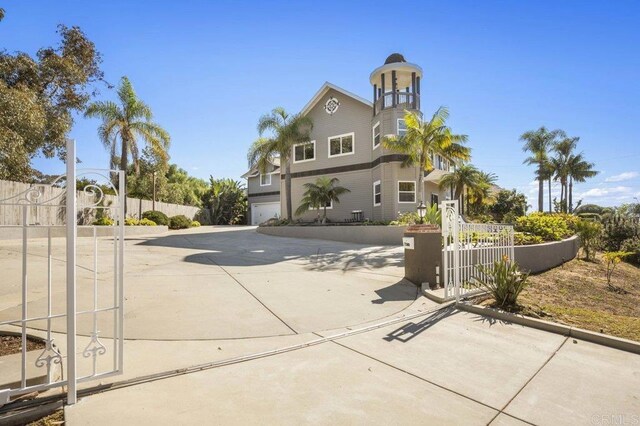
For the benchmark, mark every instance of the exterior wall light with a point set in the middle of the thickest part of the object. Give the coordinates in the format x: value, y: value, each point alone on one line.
x: 422, y: 210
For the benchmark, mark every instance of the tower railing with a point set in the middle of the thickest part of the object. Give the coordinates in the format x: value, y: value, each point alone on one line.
x: 404, y: 100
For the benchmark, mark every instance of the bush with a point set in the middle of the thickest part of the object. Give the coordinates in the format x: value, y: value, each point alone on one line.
x: 502, y: 280
x: 550, y: 227
x: 104, y: 221
x: 632, y: 245
x: 617, y: 229
x: 407, y: 218
x: 131, y: 221
x: 508, y: 203
x: 195, y: 224
x: 158, y: 217
x: 525, y: 239
x: 179, y: 222
x: 590, y: 233
x: 146, y: 222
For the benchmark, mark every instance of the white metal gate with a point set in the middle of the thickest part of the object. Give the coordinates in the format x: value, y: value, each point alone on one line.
x: 51, y: 280
x: 466, y: 245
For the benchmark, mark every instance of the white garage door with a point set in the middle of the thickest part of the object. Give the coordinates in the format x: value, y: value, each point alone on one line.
x: 261, y: 212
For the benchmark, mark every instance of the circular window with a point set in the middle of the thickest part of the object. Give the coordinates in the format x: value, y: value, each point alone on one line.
x: 331, y: 106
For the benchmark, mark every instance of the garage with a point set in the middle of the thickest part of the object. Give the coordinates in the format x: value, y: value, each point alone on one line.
x: 261, y: 212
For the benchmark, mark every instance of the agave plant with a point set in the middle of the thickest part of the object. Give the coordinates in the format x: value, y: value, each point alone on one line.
x: 502, y: 280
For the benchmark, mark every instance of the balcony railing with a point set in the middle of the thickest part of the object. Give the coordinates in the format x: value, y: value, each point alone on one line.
x: 405, y: 100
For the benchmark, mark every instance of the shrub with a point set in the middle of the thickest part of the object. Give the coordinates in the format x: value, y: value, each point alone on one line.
x: 195, y: 224
x: 509, y: 203
x: 589, y: 233
x: 146, y: 222
x: 104, y: 221
x: 617, y: 229
x: 525, y: 239
x: 131, y: 221
x: 274, y: 221
x: 407, y: 218
x: 632, y: 245
x: 502, y: 280
x: 179, y: 222
x: 612, y: 258
x: 158, y: 217
x: 550, y: 227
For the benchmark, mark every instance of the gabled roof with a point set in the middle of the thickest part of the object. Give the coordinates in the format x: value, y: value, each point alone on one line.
x: 254, y: 170
x: 323, y: 91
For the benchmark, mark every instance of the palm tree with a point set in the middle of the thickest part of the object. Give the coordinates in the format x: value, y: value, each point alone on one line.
x: 320, y: 194
x: 122, y: 125
x: 564, y: 151
x: 423, y: 139
x: 538, y: 142
x: 482, y: 193
x: 287, y: 130
x: 464, y: 176
x: 578, y: 170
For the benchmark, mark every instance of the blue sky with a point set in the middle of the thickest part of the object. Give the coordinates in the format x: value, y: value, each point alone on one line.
x: 210, y: 69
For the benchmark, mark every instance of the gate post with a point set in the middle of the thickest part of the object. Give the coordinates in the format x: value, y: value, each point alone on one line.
x: 71, y: 272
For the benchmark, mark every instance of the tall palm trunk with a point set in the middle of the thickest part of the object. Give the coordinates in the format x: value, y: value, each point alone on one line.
x: 570, y: 194
x: 550, y: 209
x: 421, y: 180
x: 123, y: 167
x: 540, y: 189
x: 287, y: 188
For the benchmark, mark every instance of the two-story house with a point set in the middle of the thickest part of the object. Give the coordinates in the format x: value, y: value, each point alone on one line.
x: 346, y: 143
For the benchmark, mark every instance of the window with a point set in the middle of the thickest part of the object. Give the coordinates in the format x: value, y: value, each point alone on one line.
x: 376, y: 135
x: 402, y: 127
x: 304, y: 152
x: 377, y: 193
x: 341, y: 145
x: 329, y: 206
x: 265, y: 180
x: 406, y: 192
x: 434, y: 199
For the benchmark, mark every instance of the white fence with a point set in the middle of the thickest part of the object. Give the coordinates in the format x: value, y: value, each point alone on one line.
x: 74, y: 293
x: 45, y: 215
x: 467, y: 245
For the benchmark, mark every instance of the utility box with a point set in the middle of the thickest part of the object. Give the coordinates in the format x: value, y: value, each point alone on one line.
x: 422, y: 254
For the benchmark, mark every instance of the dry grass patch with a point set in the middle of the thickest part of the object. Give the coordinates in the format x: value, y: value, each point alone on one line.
x: 10, y: 344
x: 53, y: 419
x: 576, y: 294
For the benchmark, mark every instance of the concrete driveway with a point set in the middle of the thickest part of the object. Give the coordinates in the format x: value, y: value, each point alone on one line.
x: 228, y: 326
x: 220, y: 283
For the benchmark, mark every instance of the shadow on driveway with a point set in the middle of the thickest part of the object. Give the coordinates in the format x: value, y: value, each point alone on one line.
x: 246, y: 247
x: 410, y: 330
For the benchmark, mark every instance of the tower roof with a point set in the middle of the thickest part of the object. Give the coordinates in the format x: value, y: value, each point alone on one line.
x: 394, y: 58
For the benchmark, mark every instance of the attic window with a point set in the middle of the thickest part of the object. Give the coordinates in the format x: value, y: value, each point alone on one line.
x: 331, y: 106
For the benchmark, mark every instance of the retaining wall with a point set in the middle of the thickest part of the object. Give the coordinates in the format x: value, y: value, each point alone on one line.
x: 358, y: 234
x: 541, y: 257
x: 533, y: 258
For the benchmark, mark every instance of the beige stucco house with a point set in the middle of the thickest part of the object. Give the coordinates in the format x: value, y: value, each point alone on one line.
x: 346, y: 143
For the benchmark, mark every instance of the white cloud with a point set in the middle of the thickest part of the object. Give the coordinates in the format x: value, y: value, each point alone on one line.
x: 605, y: 192
x: 622, y: 177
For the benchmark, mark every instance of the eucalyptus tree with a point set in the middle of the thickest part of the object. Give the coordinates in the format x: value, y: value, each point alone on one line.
x: 424, y: 139
x: 286, y: 130
x: 318, y: 195
x: 124, y: 124
x: 40, y: 96
x: 538, y: 143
